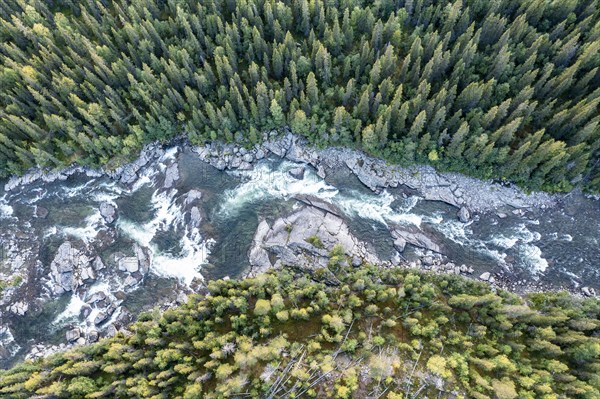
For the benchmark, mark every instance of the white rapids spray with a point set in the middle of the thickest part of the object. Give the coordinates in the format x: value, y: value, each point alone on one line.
x: 263, y: 183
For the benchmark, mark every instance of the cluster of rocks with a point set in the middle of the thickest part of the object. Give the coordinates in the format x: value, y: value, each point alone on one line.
x: 437, y: 263
x: 71, y: 268
x: 304, y: 240
x: 230, y: 156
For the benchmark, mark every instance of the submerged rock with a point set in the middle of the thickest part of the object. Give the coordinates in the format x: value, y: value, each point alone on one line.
x: 41, y: 212
x: 297, y: 173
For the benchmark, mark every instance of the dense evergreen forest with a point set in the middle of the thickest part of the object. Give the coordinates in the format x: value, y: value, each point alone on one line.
x: 507, y: 89
x: 367, y: 332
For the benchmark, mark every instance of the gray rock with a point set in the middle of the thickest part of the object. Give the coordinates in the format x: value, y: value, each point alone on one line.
x: 427, y: 260
x: 400, y: 244
x: 501, y: 215
x: 101, y: 317
x: 171, y: 175
x: 297, y: 173
x: 129, y: 175
x: 41, y: 212
x: 235, y: 162
x: 85, y: 311
x: 414, y: 236
x: 92, y: 336
x: 143, y: 257
x: 129, y: 264
x: 260, y: 154
x: 356, y: 261
x: 130, y: 281
x: 80, y: 341
x: 87, y: 274
x: 248, y: 157
x: 111, y: 331
x: 588, y: 291
x: 73, y: 334
x: 485, y: 276
x: 19, y: 308
x: 97, y: 264
x: 108, y: 212
x: 318, y: 203
x: 96, y: 297
x: 192, y: 196
x: 464, y: 215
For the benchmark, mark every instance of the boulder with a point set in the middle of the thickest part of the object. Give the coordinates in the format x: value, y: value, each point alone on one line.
x: 400, y: 244
x: 41, y: 212
x: 73, y: 334
x: 143, y: 257
x: 111, y: 331
x: 92, y: 336
x: 412, y: 235
x: 97, y: 264
x: 171, y: 175
x: 192, y: 196
x: 130, y: 281
x: 19, y: 308
x: 588, y: 291
x: 108, y: 212
x: 65, y: 258
x: 85, y: 311
x: 96, y: 297
x: 101, y: 317
x: 129, y: 264
x: 464, y: 215
x: 297, y: 173
x: 485, y: 276
x: 87, y: 274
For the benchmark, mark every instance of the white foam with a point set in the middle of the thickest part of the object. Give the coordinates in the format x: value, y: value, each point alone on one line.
x: 87, y: 233
x: 6, y: 211
x: 194, y: 251
x: 71, y: 311
x: 505, y: 242
x: 377, y: 208
x: 263, y: 182
x: 567, y: 237
x: 532, y: 256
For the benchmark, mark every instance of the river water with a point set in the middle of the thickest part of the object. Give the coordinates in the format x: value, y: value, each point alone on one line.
x: 552, y: 248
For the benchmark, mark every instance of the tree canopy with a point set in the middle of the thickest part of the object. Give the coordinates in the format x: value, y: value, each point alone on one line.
x: 507, y: 89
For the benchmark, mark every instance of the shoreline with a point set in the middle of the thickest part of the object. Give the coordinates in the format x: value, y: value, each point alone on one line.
x: 477, y: 196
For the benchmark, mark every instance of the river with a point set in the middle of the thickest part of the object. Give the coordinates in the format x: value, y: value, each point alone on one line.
x: 553, y: 248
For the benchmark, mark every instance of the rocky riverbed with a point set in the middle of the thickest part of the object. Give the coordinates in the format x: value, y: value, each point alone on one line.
x: 85, y: 251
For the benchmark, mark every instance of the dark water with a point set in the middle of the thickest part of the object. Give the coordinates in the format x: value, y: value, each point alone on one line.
x: 555, y: 248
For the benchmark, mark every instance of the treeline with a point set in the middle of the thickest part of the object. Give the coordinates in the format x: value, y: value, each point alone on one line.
x: 381, y: 333
x: 506, y: 89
